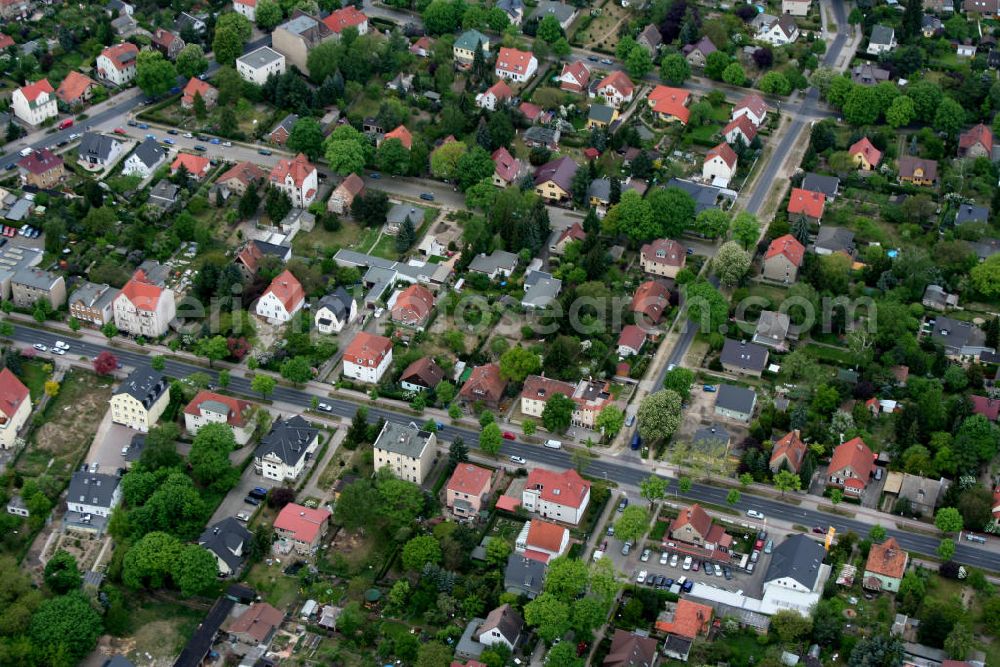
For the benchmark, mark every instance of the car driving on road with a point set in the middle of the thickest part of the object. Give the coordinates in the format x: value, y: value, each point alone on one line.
x: 519, y: 460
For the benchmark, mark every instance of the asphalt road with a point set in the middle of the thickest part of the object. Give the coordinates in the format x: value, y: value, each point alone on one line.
x: 630, y: 475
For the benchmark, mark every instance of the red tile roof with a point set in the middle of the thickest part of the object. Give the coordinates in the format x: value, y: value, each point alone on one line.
x: 578, y: 72
x: 507, y: 166
x: 304, y: 523
x: 513, y: 60
x: 12, y: 393
x: 987, y: 407
x: 40, y: 162
x: 574, y: 233
x: 651, y: 299
x: 530, y: 111
x: 872, y: 155
x: 239, y: 410
x: 501, y: 91
x: 788, y: 246
x: 753, y: 103
x: 367, y: 349
x: 484, y: 384
x: 423, y: 371
x: 538, y: 388
x: 402, y: 134
x: 347, y: 17
x: 164, y: 37
x: 74, y: 86
x: 725, y: 153
x: 6, y: 41
x: 258, y: 621
x: 545, y: 535
x: 619, y: 81
x: 664, y: 251
x: 744, y: 124
x: 121, y: 55
x: 980, y: 134
x: 288, y: 289
x: 856, y: 455
x: 791, y: 446
x: 196, y: 165
x: 632, y: 336
x: 196, y: 86
x: 807, y: 203
x: 33, y: 90
x: 887, y: 559
x: 244, y: 172
x: 565, y: 488
x: 413, y: 305
x: 690, y: 619
x: 696, y: 517
x: 470, y: 479
x: 671, y: 102
x: 422, y: 44
x: 143, y: 294
x: 352, y: 185
x: 299, y: 168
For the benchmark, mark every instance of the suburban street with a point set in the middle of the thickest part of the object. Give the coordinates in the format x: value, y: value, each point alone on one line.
x: 625, y: 473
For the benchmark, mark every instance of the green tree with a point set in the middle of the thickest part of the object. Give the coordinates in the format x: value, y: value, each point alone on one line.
x: 191, y: 61
x: 746, y: 228
x: 715, y: 64
x: 659, y: 415
x: 786, y: 480
x: 712, y: 222
x: 64, y: 629
x: 61, y: 573
x: 393, y: 157
x: 497, y: 552
x: 549, y: 615
x: 706, y: 306
x: 558, y: 413
x: 610, y: 421
x: 948, y: 520
x: 949, y: 117
x: 347, y: 154
x: 986, y: 277
x: 518, y: 363
x: 213, y: 349
x: 684, y: 484
x: 673, y: 209
x: 791, y: 626
x: 566, y: 578
x: 653, y: 488
x: 306, y: 137
x: 297, y: 370
x: 946, y: 549
x: 549, y: 29
x: 959, y: 641
x: 861, y: 106
x: 632, y: 524
x: 154, y: 74
x: 639, y: 62
x: 731, y: 263
x: 232, y: 31
x: 474, y: 166
x: 733, y: 497
x: 877, y: 534
x: 734, y: 75
x: 632, y: 216
x: 419, y: 551
x: 150, y: 561
x: 433, y: 654
x: 263, y: 384
x: 679, y: 380
x: 209, y: 457
x: 444, y: 160
x: 674, y: 69
x: 775, y: 83
x: 158, y: 362
x: 901, y: 112
x: 268, y: 15
x: 490, y: 439
x: 563, y: 654
x: 196, y: 571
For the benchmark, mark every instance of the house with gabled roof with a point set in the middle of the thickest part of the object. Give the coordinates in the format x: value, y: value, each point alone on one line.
x: 143, y: 307
x: 736, y: 403
x: 209, y: 407
x: 697, y: 54
x: 98, y: 151
x: 720, y: 165
x: 553, y: 180
x: 789, y: 450
x: 283, y: 453
x: 805, y: 204
x: 772, y: 330
x: 542, y: 540
x: 918, y: 171
x: 561, y: 496
x: 882, y: 40
x: 168, y: 43
x: 484, y: 385
x: 508, y: 168
x: 229, y: 541
x: 650, y: 38
x: 616, y: 88
x: 779, y: 32
x: 402, y: 134
x: 90, y: 500
x: 468, y: 489
x: 662, y: 257
x: 864, y: 154
x: 753, y: 107
x: 740, y: 128
x: 868, y: 74
x: 563, y: 13
x: 422, y: 375
x: 743, y: 358
x: 334, y: 311
x: 496, y: 96
x: 239, y: 177
x: 302, y: 528
x: 347, y: 16
x: 631, y: 340
x: 367, y: 357
x: 140, y: 399
x: 516, y: 65
x: 631, y: 649
x: 851, y: 467
x: 976, y: 142
x: 670, y: 104
x: 76, y: 89
x: 117, y: 64
x: 886, y: 566
x: 651, y: 301
x: 145, y: 159
x: 574, y: 77
x: 197, y: 166
x: 464, y: 49
x: 195, y: 87
x: 42, y: 169
x: 343, y: 195
x: 572, y: 233
x: 282, y: 299
x: 783, y: 259
x: 693, y: 525
x: 297, y: 178
x: 15, y: 407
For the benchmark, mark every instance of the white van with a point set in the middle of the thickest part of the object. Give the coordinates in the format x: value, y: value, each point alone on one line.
x: 25, y: 152
x: 553, y: 444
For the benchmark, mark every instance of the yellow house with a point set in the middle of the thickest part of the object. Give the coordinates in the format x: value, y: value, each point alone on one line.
x: 601, y: 116
x: 917, y: 171
x: 865, y: 156
x: 554, y: 180
x: 464, y: 50
x: 139, y: 401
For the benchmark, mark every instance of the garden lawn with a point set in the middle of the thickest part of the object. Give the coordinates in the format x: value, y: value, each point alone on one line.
x: 33, y: 375
x: 839, y: 357
x: 274, y: 586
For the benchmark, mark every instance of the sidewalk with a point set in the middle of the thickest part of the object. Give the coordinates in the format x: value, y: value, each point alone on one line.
x: 106, y: 105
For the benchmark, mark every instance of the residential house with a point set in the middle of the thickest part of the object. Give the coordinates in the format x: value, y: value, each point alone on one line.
x: 116, y: 64
x: 422, y: 47
x: 422, y: 375
x: 740, y: 128
x: 538, y: 390
x: 164, y: 196
x: 229, y: 541
x: 864, y: 154
x: 631, y: 340
x: 805, y: 204
x: 302, y: 527
x: 631, y: 649
x: 736, y: 403
x: 537, y: 136
x: 783, y: 259
x: 518, y: 66
x: 772, y: 330
x: 468, y: 489
x: 402, y: 134
x: 296, y: 37
x: 464, y: 50
x: 936, y: 298
x: 279, y: 135
x: 495, y: 97
x: 367, y: 357
x: 524, y: 576
x: 959, y: 339
x: 260, y: 64
x: 697, y: 54
x: 344, y: 194
x: 650, y: 38
x: 76, y: 89
x: 238, y: 178
x: 254, y: 627
x: 98, y: 151
x: 168, y: 43
x: 971, y: 213
x: 797, y: 565
x: 743, y: 358
x: 882, y: 40
x: 985, y: 406
x: 867, y: 74
x: 554, y: 180
x: 574, y: 77
x: 917, y: 171
x: 834, y: 240
x: 720, y: 165
x: 616, y: 89
x: 541, y: 540
x: 651, y: 301
x: 886, y: 566
x: 514, y: 9
x: 11, y: 10
x: 405, y: 450
x: 662, y: 257
x: 851, y: 466
x: 90, y: 500
x: 484, y: 386
x: 796, y: 7
x: 348, y: 16
x: 145, y: 159
x: 283, y: 453
x: 931, y: 26
x: 982, y: 8
x: 693, y: 525
x: 144, y: 307
x: 189, y: 22
x: 282, y: 299
x: 753, y: 107
x: 42, y: 169
x: 249, y: 257
x: 508, y: 168
x: 196, y: 166
x: 540, y: 290
x: 503, y: 626
x: 140, y: 399
x: 413, y: 307
x: 976, y: 142
x: 91, y: 303
x: 572, y: 233
x: 124, y: 26
x: 15, y: 407
x: 921, y: 492
x: 334, y: 311
x: 789, y: 451
x: 779, y: 32
x: 197, y: 88
x: 297, y: 178
x: 209, y: 407
x: 30, y: 284
x: 398, y: 215
x: 670, y: 104
x: 247, y: 8
x: 601, y: 116
x: 562, y: 12
x: 682, y: 622
x: 561, y: 496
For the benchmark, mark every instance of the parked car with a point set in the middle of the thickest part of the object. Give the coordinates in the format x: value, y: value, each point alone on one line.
x: 132, y: 123
x: 759, y: 544
x: 426, y: 196
x: 215, y: 141
x: 119, y: 130
x: 375, y: 175
x: 263, y: 151
x: 143, y: 126
x: 59, y: 351
x: 507, y: 435
x: 750, y: 567
x: 242, y: 516
x: 687, y: 563
x: 627, y: 547
x: 727, y: 572
x: 188, y: 135
x: 630, y: 420
x: 709, y: 388
x: 769, y: 546
x: 708, y: 568
x: 622, y: 504
x: 755, y: 556
x: 168, y: 141
x: 250, y: 500
x: 687, y: 586
x: 200, y: 148
x: 645, y: 555
x: 641, y: 577
x: 172, y: 131
x: 695, y: 565
x: 663, y: 558
x: 611, y: 530
x: 519, y: 460
x: 668, y: 582
x: 673, y: 560
x: 325, y: 407
x: 40, y: 347
x: 754, y: 514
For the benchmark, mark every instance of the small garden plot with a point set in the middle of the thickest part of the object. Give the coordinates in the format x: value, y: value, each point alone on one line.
x: 600, y: 31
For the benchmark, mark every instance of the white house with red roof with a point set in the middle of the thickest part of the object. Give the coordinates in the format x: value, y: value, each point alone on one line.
x: 562, y: 496
x: 753, y: 107
x: 367, y: 357
x: 720, y: 165
x: 282, y: 299
x: 35, y: 103
x: 542, y: 540
x: 144, y: 308
x: 197, y: 166
x: 518, y: 66
x: 117, y: 63
x: 347, y: 17
x: 850, y: 467
x: 508, y: 168
x: 468, y: 489
x: 209, y: 407
x: 670, y: 104
x: 15, y: 407
x: 662, y: 257
x: 195, y: 87
x: 616, y: 89
x: 740, y: 128
x: 574, y: 77
x: 248, y: 8
x: 572, y: 233
x: 495, y: 96
x: 298, y: 179
x: 301, y: 527
x: 631, y: 340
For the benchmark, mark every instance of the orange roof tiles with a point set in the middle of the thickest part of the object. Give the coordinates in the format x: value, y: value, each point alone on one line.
x: 744, y: 124
x: 856, y: 455
x: 541, y: 388
x: 143, y: 294
x: 238, y: 409
x: 245, y: 172
x: 121, y: 55
x: 562, y: 488
x: 723, y: 152
x: 413, y: 305
x: 689, y: 620
x: 484, y: 384
x: 12, y: 393
x: 299, y: 168
x: 6, y: 41
x: 651, y: 299
x: 872, y: 155
x: 545, y: 535
x: 196, y: 165
x: 74, y: 86
x: 196, y: 86
x: 807, y: 203
x: 402, y: 134
x: 980, y: 134
x: 792, y: 447
x: 346, y: 17
x: 304, y: 523
x: 887, y: 559
x: 367, y: 349
x: 619, y: 81
x: 288, y: 289
x: 470, y: 479
x: 788, y: 246
x: 669, y: 101
x: 514, y: 61
x: 33, y: 90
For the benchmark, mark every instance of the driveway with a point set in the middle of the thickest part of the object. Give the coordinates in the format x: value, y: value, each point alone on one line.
x: 106, y: 450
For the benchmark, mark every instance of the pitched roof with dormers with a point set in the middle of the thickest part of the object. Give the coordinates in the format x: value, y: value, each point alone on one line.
x: 237, y: 411
x: 514, y: 60
x: 507, y: 166
x: 753, y: 103
x: 12, y: 393
x: 664, y: 251
x: 74, y: 86
x: 619, y: 81
x: 33, y: 90
x: 470, y: 479
x: 484, y: 383
x: 299, y: 168
x: 121, y: 55
x: 141, y: 293
x: 651, y: 299
x: 367, y: 349
x: 577, y: 71
x: 671, y: 102
x: 856, y: 455
x: 346, y: 17
x: 244, y: 172
x: 980, y: 134
x: 565, y: 488
x: 792, y: 448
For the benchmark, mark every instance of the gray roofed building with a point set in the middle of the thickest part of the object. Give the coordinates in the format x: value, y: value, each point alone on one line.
x: 283, y: 129
x: 288, y: 440
x: 514, y: 9
x: 959, y: 338
x: 772, y: 329
x: 189, y: 21
x: 743, y: 357
x: 882, y: 37
x: 135, y: 448
x: 796, y: 563
x: 735, y: 402
x: 601, y: 113
x: 503, y: 623
x: 650, y: 37
x: 564, y: 13
x: 868, y: 74
x: 705, y: 196
x: 261, y: 57
x: 500, y: 262
x: 339, y: 303
x: 936, y: 298
x: 524, y: 576
x: 19, y: 211
x: 124, y: 25
x: 536, y: 135
x: 97, y: 148
x: 229, y: 540
x: 92, y: 296
x: 677, y: 647
x: 164, y: 195
x: 469, y: 39
x: 381, y: 273
x: 714, y: 432
x: 150, y: 153
x: 986, y: 248
x: 834, y: 239
x: 92, y: 489
x: 399, y: 214
x: 144, y: 385
x: 468, y: 647
x: 971, y: 213
x: 828, y: 185
x: 404, y: 440
x: 542, y: 290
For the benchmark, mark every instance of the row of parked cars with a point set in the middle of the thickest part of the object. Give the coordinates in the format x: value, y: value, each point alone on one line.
x: 662, y: 582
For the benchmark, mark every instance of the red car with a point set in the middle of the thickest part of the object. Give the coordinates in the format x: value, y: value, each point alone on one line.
x: 758, y: 545
x: 119, y: 130
x: 507, y: 435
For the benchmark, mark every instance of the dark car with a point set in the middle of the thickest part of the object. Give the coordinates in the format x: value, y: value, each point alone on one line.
x: 374, y: 174
x: 264, y: 151
x: 132, y: 123
x: 143, y: 126
x: 669, y: 582
x: 201, y: 137
x: 426, y: 196
x: 258, y: 492
x: 172, y: 131
x: 687, y: 586
x: 819, y: 529
x: 200, y: 148
x: 249, y: 500
x: 726, y: 572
